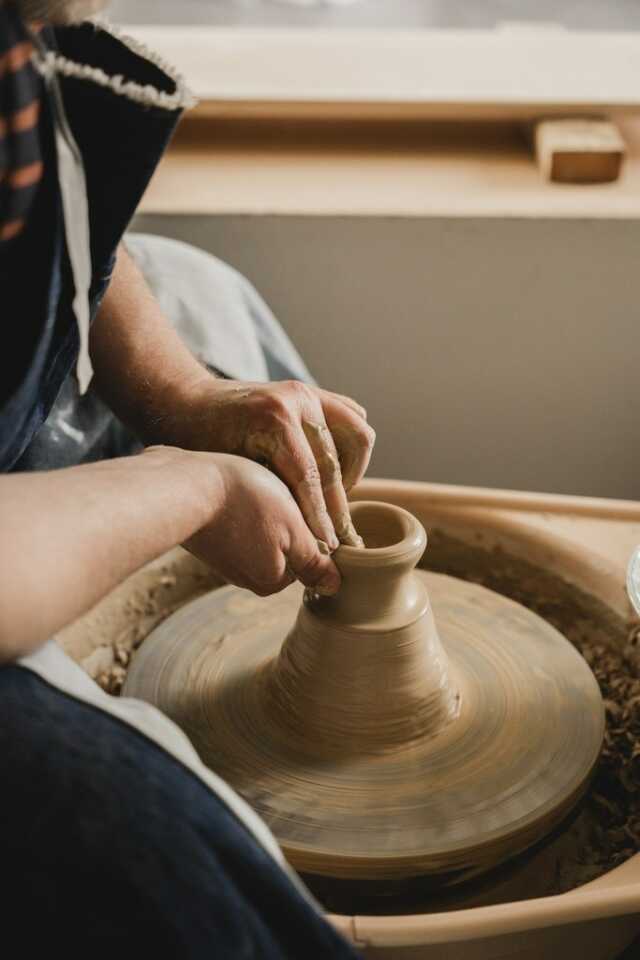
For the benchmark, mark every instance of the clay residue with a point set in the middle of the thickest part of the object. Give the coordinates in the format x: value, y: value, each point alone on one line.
x: 104, y: 641
x: 607, y: 832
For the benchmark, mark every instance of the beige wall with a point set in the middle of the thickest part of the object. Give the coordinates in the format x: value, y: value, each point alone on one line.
x: 492, y: 351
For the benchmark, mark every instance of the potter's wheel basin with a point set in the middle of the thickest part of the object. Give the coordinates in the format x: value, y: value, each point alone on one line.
x: 459, y: 789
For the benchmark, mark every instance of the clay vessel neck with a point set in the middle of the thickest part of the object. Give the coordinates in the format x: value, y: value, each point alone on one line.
x: 379, y: 591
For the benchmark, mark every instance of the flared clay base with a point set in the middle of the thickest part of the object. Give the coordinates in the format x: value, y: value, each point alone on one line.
x: 373, y: 745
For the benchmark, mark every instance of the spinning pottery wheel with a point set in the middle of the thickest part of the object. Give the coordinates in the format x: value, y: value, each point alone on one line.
x: 375, y: 745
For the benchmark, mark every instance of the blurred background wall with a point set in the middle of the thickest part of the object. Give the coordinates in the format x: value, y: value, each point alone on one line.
x: 492, y: 351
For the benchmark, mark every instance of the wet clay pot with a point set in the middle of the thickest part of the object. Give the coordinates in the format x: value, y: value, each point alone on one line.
x: 378, y: 746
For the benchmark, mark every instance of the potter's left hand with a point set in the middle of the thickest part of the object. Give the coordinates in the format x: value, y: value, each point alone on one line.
x: 319, y: 443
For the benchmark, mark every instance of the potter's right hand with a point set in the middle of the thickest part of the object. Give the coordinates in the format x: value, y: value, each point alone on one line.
x: 257, y: 537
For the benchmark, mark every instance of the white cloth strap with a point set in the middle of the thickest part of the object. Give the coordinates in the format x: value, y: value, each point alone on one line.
x: 75, y: 208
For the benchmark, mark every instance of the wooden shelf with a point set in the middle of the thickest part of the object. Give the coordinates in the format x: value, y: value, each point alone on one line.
x: 374, y: 169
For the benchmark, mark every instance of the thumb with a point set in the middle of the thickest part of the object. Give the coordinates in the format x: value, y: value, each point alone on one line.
x: 310, y: 562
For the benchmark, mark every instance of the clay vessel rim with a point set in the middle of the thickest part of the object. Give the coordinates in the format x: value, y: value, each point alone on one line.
x: 413, y: 540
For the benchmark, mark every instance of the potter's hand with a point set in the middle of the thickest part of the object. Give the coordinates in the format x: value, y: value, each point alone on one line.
x: 319, y: 443
x: 257, y: 537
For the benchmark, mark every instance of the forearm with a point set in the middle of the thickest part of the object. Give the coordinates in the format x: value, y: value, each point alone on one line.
x: 70, y: 536
x: 317, y: 442
x: 142, y: 368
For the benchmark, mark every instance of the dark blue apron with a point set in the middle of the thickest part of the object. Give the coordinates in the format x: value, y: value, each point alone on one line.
x: 121, y: 141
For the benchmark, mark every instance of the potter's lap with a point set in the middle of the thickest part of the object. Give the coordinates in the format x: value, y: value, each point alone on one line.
x: 110, y: 841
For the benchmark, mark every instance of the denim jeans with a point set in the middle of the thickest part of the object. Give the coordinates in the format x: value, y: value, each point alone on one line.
x: 110, y: 845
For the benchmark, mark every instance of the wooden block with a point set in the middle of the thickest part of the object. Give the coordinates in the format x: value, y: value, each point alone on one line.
x: 579, y: 150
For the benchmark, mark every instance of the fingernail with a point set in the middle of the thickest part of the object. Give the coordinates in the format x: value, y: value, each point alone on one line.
x: 328, y: 586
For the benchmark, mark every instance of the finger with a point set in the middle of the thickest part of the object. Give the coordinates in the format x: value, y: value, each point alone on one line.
x: 263, y: 571
x: 264, y: 582
x: 267, y: 588
x: 348, y: 401
x: 335, y: 497
x: 313, y: 566
x: 354, y: 440
x: 290, y: 455
x: 201, y: 547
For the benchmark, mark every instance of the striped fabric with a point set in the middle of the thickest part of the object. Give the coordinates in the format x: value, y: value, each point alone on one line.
x: 20, y: 155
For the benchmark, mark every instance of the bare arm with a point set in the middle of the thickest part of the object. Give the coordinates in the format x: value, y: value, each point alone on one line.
x: 69, y: 536
x: 142, y: 368
x: 317, y: 442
